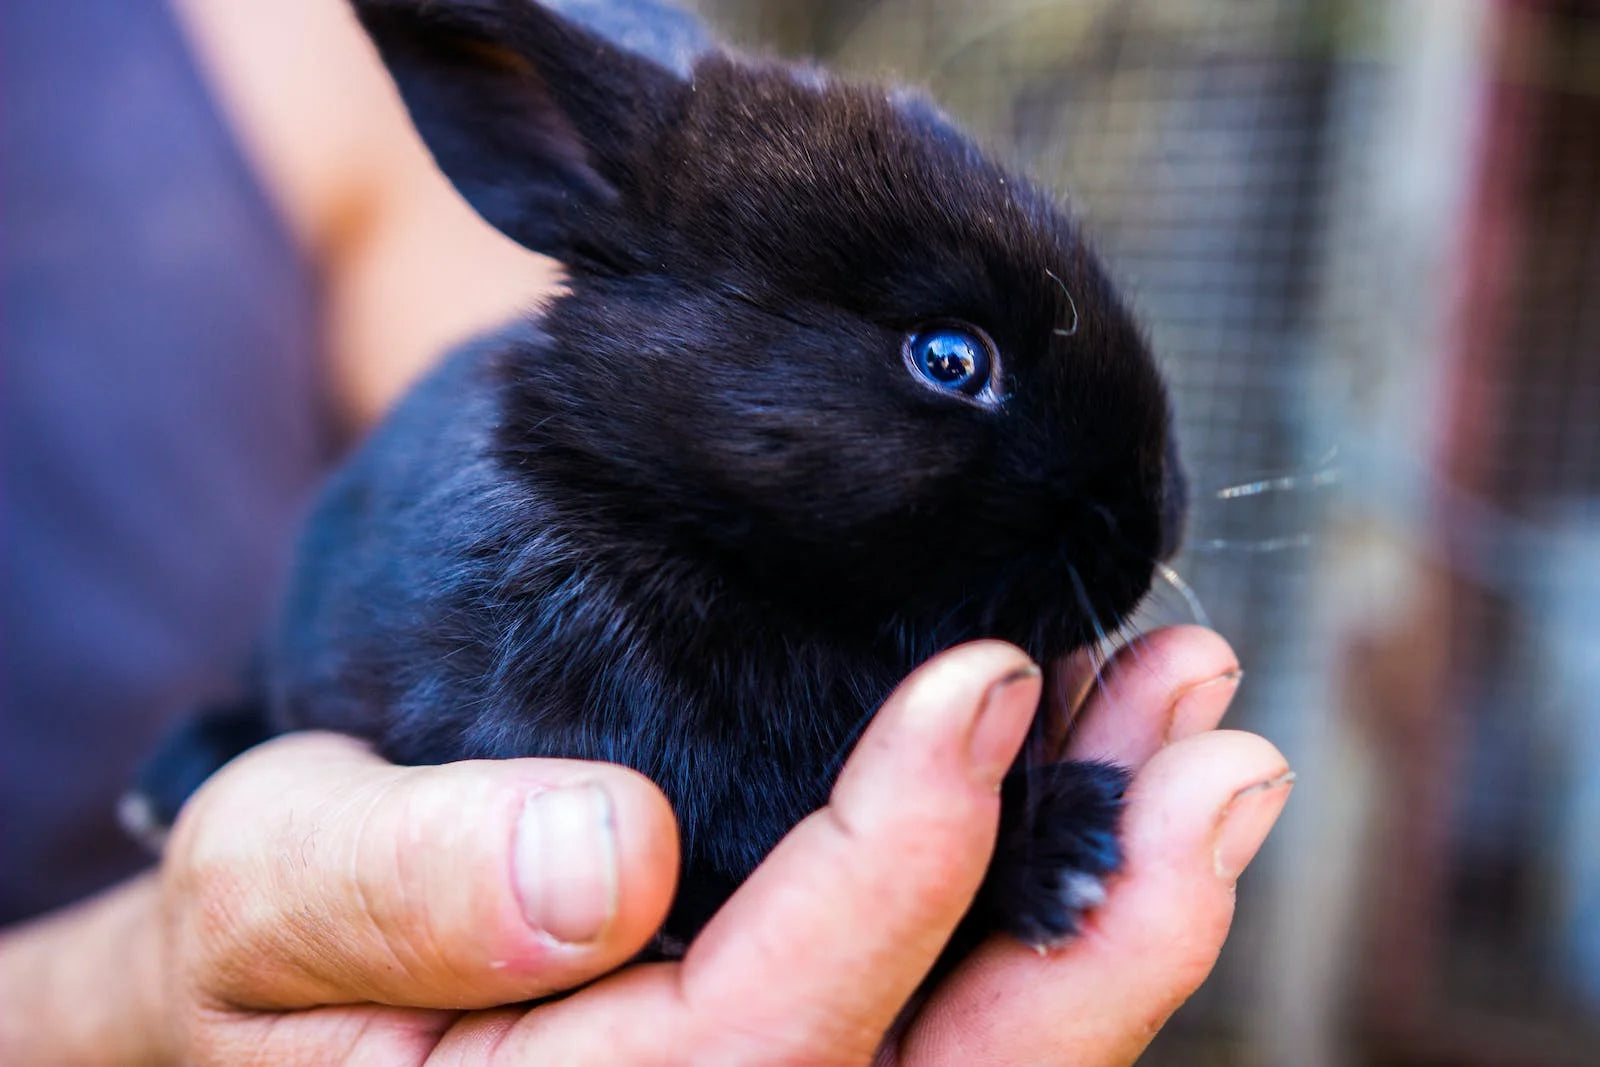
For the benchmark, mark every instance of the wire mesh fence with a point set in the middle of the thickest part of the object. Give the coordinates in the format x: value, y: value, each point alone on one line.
x: 1365, y: 237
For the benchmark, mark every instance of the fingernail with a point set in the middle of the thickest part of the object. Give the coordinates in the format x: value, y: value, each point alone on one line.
x: 998, y: 730
x: 1244, y: 823
x: 1201, y: 706
x: 566, y: 862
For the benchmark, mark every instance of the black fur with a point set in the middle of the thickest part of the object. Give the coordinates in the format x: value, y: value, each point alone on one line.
x: 698, y: 517
x: 189, y: 754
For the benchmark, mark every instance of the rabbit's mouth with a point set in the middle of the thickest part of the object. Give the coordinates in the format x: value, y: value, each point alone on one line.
x: 1049, y: 603
x: 1069, y: 681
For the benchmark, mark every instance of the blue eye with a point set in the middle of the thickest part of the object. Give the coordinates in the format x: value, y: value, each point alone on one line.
x: 957, y: 358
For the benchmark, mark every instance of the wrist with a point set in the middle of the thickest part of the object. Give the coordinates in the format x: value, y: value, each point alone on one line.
x: 85, y: 984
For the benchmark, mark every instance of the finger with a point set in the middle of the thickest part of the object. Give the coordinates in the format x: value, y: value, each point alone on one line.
x: 830, y: 936
x: 1170, y: 684
x: 814, y: 955
x: 315, y: 874
x: 1196, y: 815
x: 352, y: 1036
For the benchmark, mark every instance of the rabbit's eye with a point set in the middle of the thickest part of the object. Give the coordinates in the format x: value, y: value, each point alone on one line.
x: 957, y: 358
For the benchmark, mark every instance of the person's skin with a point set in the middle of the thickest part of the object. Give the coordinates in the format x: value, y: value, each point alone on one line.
x: 317, y: 905
x: 405, y: 268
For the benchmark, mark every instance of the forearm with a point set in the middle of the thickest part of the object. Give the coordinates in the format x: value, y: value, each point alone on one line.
x: 84, y: 985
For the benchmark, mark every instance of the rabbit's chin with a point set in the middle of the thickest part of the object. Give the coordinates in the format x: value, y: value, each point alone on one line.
x: 1045, y: 631
x: 1044, y: 605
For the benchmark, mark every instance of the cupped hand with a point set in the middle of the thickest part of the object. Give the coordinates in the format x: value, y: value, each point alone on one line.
x: 317, y: 905
x: 1201, y: 803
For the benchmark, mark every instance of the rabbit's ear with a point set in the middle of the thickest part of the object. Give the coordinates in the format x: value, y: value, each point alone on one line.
x: 538, y: 122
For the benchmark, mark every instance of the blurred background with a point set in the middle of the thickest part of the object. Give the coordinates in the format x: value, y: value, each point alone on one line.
x: 1366, y: 239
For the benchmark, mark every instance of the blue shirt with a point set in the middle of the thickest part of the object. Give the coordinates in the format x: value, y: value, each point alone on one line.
x: 164, y: 422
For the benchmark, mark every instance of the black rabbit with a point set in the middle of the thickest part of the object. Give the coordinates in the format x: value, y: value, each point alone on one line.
x: 829, y: 391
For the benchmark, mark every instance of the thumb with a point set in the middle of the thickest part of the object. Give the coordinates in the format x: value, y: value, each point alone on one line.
x: 310, y: 872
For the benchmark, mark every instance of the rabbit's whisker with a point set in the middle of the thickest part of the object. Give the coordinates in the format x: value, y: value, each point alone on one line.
x: 1073, y: 304
x: 1134, y: 638
x: 1099, y: 655
x: 1322, y: 473
x: 1267, y: 544
x: 1174, y: 579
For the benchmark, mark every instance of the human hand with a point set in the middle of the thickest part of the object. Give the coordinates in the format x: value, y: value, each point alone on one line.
x: 318, y: 905
x: 1200, y: 805
x: 817, y: 955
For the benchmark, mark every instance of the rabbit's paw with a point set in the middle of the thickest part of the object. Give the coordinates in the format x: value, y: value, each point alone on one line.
x: 1057, y: 846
